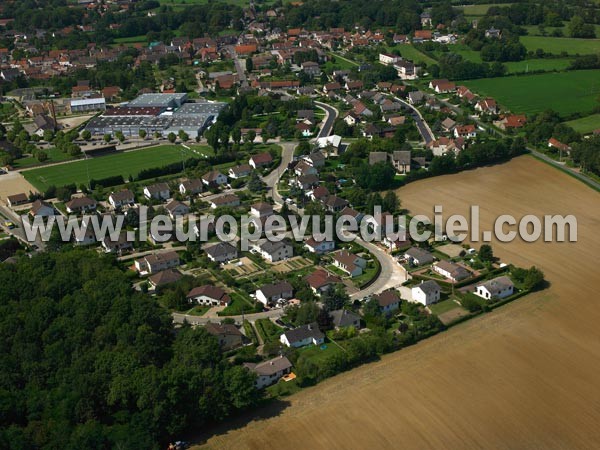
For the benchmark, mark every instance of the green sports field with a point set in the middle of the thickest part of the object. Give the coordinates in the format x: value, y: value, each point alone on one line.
x: 585, y: 125
x: 564, y: 92
x: 125, y: 164
x: 558, y: 45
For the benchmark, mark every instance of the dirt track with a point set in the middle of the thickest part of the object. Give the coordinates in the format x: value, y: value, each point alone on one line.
x: 524, y: 376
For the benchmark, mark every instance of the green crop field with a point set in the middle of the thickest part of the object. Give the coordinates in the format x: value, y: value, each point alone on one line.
x: 125, y: 164
x: 558, y: 45
x: 565, y: 92
x: 531, y: 65
x: 585, y: 125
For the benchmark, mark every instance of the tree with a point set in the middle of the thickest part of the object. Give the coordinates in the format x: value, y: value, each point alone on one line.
x: 172, y: 137
x: 86, y: 135
x: 236, y: 135
x: 390, y: 202
x: 183, y: 135
x: 107, y: 137
x: 335, y: 298
x: 120, y: 136
x: 250, y: 136
x: 303, y: 148
x: 41, y: 155
x: 142, y: 133
x: 249, y: 65
x: 579, y: 29
x: 371, y: 308
x: 486, y: 253
x: 48, y: 135
x: 255, y: 184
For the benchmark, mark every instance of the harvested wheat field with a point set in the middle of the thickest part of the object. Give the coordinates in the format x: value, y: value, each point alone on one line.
x: 14, y: 183
x: 522, y: 377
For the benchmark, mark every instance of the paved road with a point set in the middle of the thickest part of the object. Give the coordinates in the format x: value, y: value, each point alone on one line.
x: 18, y: 231
x: 331, y: 115
x: 421, y: 124
x: 200, y: 320
x: 272, y: 179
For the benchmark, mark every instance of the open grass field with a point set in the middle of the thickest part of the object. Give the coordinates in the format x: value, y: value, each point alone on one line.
x: 586, y: 124
x: 131, y: 40
x: 531, y: 65
x: 534, y: 30
x: 54, y: 155
x: 479, y: 10
x: 523, y: 376
x: 558, y: 45
x: 126, y: 164
x: 565, y: 92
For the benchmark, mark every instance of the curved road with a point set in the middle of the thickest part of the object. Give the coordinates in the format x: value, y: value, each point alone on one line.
x: 331, y: 115
x: 421, y: 124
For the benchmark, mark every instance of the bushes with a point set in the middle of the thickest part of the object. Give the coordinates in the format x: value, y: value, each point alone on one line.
x: 107, y: 182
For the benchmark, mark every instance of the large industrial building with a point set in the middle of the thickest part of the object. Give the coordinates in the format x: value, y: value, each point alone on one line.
x: 163, y: 113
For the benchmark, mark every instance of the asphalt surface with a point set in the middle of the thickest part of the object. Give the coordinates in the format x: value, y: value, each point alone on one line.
x: 421, y: 124
x: 330, y: 115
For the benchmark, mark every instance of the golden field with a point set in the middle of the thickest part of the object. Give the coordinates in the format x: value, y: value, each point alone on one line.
x: 525, y: 376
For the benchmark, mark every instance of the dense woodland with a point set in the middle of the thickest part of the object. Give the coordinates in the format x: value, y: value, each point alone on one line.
x: 88, y: 363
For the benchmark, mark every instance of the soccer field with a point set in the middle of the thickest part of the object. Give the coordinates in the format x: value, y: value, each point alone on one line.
x: 564, y: 92
x: 125, y: 164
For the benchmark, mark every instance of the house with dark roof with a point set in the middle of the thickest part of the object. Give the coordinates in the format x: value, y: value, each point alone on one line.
x: 260, y: 160
x: 118, y: 245
x: 221, y: 252
x: 451, y: 270
x: 191, y: 187
x: 81, y: 205
x: 156, y: 262
x: 401, y: 160
x: 227, y: 200
x: 176, y: 208
x: 274, y: 293
x: 164, y: 278
x: 302, y: 336
x: 342, y: 318
x: 388, y: 300
x: 214, y: 178
x: 209, y: 295
x: 40, y: 208
x: 158, y: 191
x: 350, y: 263
x: 319, y: 244
x: 241, y: 171
x: 500, y: 287
x: 269, y: 372
x: 418, y: 256
x: 274, y: 251
x: 228, y: 335
x: 121, y: 198
x: 333, y: 203
x: 17, y: 199
x: 426, y: 293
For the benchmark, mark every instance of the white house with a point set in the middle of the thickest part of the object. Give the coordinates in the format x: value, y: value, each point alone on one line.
x: 269, y: 372
x: 304, y: 335
x: 271, y: 294
x: 261, y: 209
x: 191, y: 187
x: 121, y: 198
x: 350, y: 263
x: 214, y: 178
x: 221, y: 252
x: 426, y: 293
x: 157, y: 262
x: 209, y: 295
x: 418, y: 257
x: 499, y: 287
x: 319, y: 244
x: 450, y: 270
x: 388, y: 60
x: 81, y: 205
x: 388, y: 301
x: 229, y: 200
x: 158, y: 191
x: 274, y: 251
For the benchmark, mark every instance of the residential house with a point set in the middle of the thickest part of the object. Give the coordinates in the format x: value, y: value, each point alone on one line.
x: 351, y: 213
x: 119, y: 245
x: 465, y: 131
x: 40, y: 208
x: 415, y: 97
x: 209, y: 295
x: 221, y: 252
x: 498, y: 288
x: 319, y: 194
x: 319, y: 244
x: 269, y: 372
x: 350, y: 263
x: 422, y: 35
x: 260, y: 160
x: 388, y: 301
x: 320, y: 281
x: 487, y: 106
x: 261, y: 209
x: 451, y: 270
x: 401, y: 160
x: 121, y: 198
x: 157, y: 262
x: 275, y: 293
x: 17, y: 199
x: 191, y: 187
x: 425, y: 19
x: 274, y: 251
x: 315, y: 159
x: 512, y: 121
x: 442, y: 86
x: 241, y: 171
x: 164, y: 277
x: 305, y: 182
x: 228, y: 335
x: 333, y: 203
x: 227, y: 200
x: 448, y: 125
x: 158, y: 191
x: 176, y: 208
x: 214, y: 178
x: 555, y: 143
x: 342, y: 318
x: 311, y: 68
x: 418, y: 256
x: 426, y: 293
x: 303, y: 168
x: 302, y: 336
x: 79, y: 205
x: 388, y: 60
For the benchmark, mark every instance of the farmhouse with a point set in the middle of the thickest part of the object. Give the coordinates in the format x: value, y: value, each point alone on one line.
x: 452, y: 271
x: 304, y: 335
x: 209, y: 295
x: 269, y: 372
x: 426, y: 293
x: 271, y: 294
x: 221, y: 252
x: 499, y: 287
x: 228, y: 335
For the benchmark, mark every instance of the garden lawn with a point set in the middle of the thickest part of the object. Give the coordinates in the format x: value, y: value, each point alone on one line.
x: 556, y: 46
x: 407, y: 51
x: 564, y: 92
x: 585, y: 125
x: 126, y: 164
